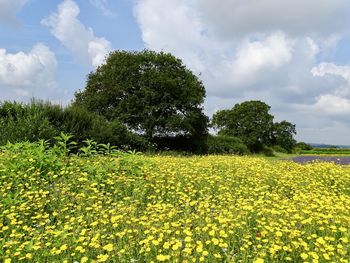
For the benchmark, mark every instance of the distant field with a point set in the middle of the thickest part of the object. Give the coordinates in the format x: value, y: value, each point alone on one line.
x: 328, y: 151
x: 132, y: 208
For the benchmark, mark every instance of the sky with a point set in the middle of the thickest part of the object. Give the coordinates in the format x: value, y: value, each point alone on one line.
x: 293, y: 55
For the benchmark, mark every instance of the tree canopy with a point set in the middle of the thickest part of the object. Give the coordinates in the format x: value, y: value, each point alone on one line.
x: 282, y: 134
x: 252, y: 122
x: 151, y: 93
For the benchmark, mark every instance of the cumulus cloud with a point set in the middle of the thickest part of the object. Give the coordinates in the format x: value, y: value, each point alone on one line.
x: 9, y: 10
x: 228, y: 68
x: 267, y: 50
x: 332, y: 105
x: 75, y: 36
x: 324, y: 69
x: 255, y: 57
x: 175, y: 26
x: 27, y: 74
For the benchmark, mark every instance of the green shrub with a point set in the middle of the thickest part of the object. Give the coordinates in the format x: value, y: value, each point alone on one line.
x: 303, y: 146
x: 43, y: 120
x: 297, y: 150
x: 180, y: 143
x: 268, y: 151
x: 279, y: 149
x: 223, y: 144
x: 20, y: 122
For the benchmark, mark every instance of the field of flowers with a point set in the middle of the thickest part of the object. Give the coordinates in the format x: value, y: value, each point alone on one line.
x: 133, y: 208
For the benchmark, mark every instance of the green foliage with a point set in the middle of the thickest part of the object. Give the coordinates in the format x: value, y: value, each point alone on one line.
x: 151, y: 93
x: 268, y: 151
x: 223, y: 144
x: 20, y: 122
x: 279, y: 149
x: 303, y: 146
x: 84, y: 124
x: 249, y: 121
x: 43, y: 120
x: 282, y: 135
x: 38, y: 156
x: 253, y: 124
x: 64, y: 142
x: 189, y: 144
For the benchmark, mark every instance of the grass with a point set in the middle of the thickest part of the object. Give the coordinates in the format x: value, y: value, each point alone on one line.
x: 278, y: 156
x: 328, y: 151
x: 125, y: 207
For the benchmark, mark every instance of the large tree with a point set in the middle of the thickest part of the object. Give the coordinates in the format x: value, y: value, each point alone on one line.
x: 252, y: 122
x: 152, y: 93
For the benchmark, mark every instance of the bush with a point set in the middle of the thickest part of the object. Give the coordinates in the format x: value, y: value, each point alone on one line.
x: 279, y: 149
x: 189, y: 144
x: 268, y: 151
x: 20, y: 122
x: 223, y: 144
x: 303, y: 146
x: 43, y: 120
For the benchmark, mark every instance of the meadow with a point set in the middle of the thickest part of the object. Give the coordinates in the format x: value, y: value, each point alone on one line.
x: 327, y: 151
x: 109, y: 206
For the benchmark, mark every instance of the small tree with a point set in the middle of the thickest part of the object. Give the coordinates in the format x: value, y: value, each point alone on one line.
x: 249, y: 121
x: 253, y: 124
x: 152, y: 93
x: 282, y: 135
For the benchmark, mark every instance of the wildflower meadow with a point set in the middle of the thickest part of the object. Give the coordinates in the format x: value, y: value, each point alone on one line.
x: 110, y: 206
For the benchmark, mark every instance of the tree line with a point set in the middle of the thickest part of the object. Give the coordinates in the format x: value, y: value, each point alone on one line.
x: 148, y: 100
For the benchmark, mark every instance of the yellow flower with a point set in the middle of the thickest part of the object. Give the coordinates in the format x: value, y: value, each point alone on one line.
x: 80, y: 249
x: 166, y: 245
x: 175, y: 246
x: 162, y: 257
x: 188, y: 239
x: 84, y: 259
x: 7, y: 260
x: 216, y: 255
x: 304, y: 256
x: 199, y: 249
x: 279, y: 233
x: 108, y: 247
x: 102, y: 258
x: 63, y: 247
x: 215, y: 241
x: 259, y: 260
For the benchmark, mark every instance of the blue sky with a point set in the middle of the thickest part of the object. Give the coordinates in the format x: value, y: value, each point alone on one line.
x: 294, y: 55
x: 117, y: 25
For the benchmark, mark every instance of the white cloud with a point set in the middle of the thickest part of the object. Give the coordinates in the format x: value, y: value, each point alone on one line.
x: 80, y: 40
x: 265, y: 50
x: 324, y: 69
x: 234, y: 18
x: 9, y: 10
x: 27, y: 74
x: 254, y: 57
x: 332, y: 105
x: 102, y: 5
x: 176, y: 26
x: 173, y: 26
